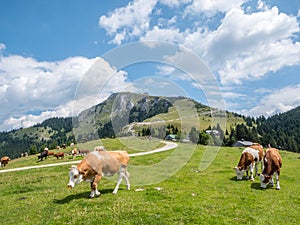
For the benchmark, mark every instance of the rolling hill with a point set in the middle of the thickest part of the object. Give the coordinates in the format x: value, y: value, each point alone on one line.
x: 125, y: 114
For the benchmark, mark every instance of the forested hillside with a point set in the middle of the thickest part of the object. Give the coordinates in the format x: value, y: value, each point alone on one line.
x: 282, y: 130
x: 107, y: 119
x: 50, y: 133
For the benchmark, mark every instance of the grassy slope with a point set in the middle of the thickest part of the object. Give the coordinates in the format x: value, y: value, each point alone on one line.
x: 213, y: 196
x: 185, y: 109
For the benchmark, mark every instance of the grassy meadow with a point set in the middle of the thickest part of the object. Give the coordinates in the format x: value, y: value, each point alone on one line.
x: 189, y: 196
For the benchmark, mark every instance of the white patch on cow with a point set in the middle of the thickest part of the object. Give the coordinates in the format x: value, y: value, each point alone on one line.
x: 239, y: 173
x: 253, y: 152
x: 262, y: 179
x: 95, y: 153
x: 75, y: 177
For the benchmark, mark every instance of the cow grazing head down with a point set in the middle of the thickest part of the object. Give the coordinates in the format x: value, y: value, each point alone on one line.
x: 272, y: 166
x: 75, y: 177
x: 239, y: 171
x: 250, y: 158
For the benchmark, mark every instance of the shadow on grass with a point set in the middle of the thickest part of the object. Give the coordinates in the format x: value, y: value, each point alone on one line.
x: 81, y: 195
x: 256, y: 186
x: 235, y: 179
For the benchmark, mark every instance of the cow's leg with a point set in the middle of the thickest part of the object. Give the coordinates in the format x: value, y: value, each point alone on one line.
x: 247, y: 174
x: 94, y: 186
x: 251, y: 172
x: 122, y: 173
x: 126, y: 177
x: 271, y: 181
x: 256, y: 170
x: 277, y: 181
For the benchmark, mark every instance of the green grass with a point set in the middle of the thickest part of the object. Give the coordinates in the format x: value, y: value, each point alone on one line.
x: 213, y: 196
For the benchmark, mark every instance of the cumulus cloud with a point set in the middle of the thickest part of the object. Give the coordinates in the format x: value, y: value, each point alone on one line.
x: 211, y: 7
x: 128, y: 21
x: 174, y: 3
x: 277, y: 101
x: 172, y: 35
x: 247, y: 46
x: 31, y: 90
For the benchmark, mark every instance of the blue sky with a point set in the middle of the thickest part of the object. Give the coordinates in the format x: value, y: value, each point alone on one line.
x: 48, y: 49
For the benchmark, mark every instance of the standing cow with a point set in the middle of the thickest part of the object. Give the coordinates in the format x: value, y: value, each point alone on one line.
x: 250, y: 158
x: 4, y: 161
x: 97, y: 164
x: 43, y: 154
x: 272, y: 165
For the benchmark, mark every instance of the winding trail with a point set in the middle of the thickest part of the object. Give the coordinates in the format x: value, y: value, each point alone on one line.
x: 168, y: 146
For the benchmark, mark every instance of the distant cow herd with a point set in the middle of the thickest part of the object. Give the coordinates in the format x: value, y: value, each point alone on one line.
x: 60, y: 155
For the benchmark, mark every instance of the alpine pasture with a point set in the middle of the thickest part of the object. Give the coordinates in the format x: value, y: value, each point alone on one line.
x: 190, y: 196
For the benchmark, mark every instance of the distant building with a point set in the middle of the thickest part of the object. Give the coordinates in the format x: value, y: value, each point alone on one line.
x: 242, y: 144
x: 172, y: 137
x: 214, y: 132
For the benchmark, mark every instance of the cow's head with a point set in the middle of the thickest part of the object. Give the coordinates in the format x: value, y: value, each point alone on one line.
x: 264, y: 180
x: 239, y: 172
x: 75, y: 177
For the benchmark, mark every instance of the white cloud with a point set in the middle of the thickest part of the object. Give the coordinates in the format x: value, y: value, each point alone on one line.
x: 128, y: 21
x: 166, y: 34
x: 211, y: 7
x: 31, y: 90
x: 174, y: 3
x: 247, y: 46
x: 2, y: 47
x: 278, y: 101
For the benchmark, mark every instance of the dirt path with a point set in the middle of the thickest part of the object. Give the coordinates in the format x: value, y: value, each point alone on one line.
x: 168, y: 146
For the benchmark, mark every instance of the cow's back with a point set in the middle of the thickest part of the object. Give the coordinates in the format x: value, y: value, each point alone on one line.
x: 256, y: 151
x: 121, y: 156
x: 102, y: 163
x: 273, y: 157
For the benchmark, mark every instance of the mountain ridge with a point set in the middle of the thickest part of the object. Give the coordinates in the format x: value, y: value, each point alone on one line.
x: 108, y: 118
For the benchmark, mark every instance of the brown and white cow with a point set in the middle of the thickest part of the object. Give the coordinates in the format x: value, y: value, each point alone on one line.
x: 4, y: 161
x: 250, y: 158
x: 98, y: 164
x: 272, y: 165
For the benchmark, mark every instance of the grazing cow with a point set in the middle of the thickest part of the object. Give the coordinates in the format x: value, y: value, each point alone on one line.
x: 250, y: 158
x: 51, y: 153
x: 84, y: 152
x: 97, y: 164
x: 4, y: 161
x: 43, y: 154
x: 74, y: 152
x: 59, y: 154
x: 272, y: 165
